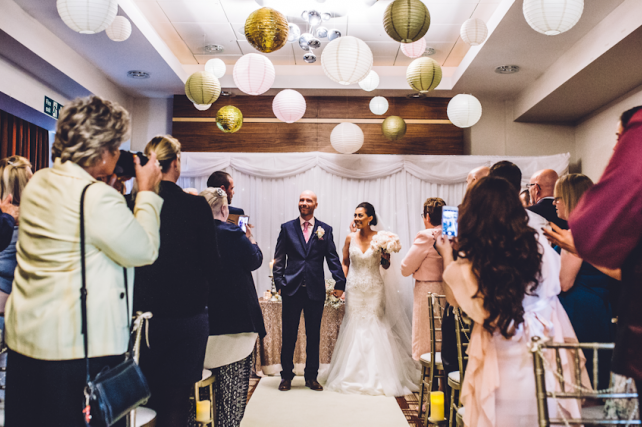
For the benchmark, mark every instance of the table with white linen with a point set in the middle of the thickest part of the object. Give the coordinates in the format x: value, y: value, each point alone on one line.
x: 268, y: 349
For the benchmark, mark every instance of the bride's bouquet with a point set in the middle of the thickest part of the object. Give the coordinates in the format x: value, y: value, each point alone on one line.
x: 330, y: 299
x: 385, y: 242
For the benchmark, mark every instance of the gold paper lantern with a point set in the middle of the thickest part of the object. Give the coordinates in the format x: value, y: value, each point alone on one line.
x: 423, y: 74
x: 406, y: 21
x: 202, y: 87
x: 229, y: 119
x: 394, y: 128
x: 266, y: 30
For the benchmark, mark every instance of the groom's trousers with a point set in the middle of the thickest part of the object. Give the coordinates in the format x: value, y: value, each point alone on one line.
x: 291, y: 315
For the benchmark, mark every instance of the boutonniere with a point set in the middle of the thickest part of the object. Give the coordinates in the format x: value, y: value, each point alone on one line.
x: 320, y: 233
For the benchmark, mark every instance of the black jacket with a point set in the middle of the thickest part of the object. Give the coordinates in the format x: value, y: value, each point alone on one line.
x: 233, y: 303
x: 546, y: 208
x: 177, y: 284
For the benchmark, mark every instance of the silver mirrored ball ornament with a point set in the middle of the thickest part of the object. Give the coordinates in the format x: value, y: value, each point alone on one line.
x: 294, y: 32
x: 326, y: 16
x: 314, y: 43
x: 322, y: 32
x: 334, y: 34
x: 314, y: 18
x: 310, y: 58
x: 304, y: 39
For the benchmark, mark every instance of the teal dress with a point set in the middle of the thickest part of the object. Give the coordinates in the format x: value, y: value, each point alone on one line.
x: 588, y: 305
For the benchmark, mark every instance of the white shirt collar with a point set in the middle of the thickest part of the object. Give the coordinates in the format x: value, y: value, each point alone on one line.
x: 311, y: 221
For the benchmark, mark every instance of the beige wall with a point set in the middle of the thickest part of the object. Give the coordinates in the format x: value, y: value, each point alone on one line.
x: 595, y: 135
x: 497, y: 133
x: 150, y: 117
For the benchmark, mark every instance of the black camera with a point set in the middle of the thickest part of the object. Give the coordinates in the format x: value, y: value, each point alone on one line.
x: 125, y: 165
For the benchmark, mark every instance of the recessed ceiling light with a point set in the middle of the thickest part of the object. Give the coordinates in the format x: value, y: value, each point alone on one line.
x: 213, y: 48
x: 429, y: 51
x: 507, y: 69
x: 135, y: 74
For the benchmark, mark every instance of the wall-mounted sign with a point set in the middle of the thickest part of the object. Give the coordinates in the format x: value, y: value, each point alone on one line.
x: 52, y: 108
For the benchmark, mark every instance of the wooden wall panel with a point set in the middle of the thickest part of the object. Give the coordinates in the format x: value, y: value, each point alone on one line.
x: 445, y: 139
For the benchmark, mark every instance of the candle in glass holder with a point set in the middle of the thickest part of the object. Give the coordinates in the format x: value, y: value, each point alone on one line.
x: 436, y: 405
x: 203, y: 410
x: 271, y: 265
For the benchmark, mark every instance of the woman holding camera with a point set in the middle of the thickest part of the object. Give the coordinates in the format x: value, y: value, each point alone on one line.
x: 43, y: 326
x: 175, y: 289
x: 236, y: 319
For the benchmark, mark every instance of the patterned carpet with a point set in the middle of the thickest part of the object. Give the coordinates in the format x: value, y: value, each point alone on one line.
x: 408, y: 404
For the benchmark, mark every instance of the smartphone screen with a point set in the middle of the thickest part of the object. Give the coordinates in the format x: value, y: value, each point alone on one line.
x: 449, y: 218
x: 243, y: 220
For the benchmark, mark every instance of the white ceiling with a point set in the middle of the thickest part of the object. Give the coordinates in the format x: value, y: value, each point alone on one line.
x: 188, y: 25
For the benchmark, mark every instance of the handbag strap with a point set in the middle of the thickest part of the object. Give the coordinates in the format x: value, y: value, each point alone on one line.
x: 83, y: 289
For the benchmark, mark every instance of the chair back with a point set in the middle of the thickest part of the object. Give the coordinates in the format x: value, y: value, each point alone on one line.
x: 436, y: 304
x: 573, y: 390
x: 463, y: 328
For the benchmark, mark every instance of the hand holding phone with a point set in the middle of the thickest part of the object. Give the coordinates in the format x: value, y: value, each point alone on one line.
x: 449, y: 220
x: 243, y: 220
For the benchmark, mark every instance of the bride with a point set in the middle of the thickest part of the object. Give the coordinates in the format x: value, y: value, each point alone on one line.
x: 373, y: 350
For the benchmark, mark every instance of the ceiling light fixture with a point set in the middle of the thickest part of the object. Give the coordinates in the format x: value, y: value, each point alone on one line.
x: 507, y: 69
x: 213, y: 48
x: 135, y: 74
x: 429, y: 51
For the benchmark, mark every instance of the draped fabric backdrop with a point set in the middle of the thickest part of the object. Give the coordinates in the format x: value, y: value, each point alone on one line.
x: 267, y: 187
x: 18, y: 137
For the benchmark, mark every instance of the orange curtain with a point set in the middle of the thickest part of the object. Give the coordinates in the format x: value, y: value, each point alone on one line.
x: 21, y: 138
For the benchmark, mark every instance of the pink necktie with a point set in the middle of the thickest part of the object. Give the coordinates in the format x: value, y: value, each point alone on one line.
x: 306, y: 231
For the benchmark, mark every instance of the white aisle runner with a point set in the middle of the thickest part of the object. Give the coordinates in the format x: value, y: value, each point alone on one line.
x: 301, y: 406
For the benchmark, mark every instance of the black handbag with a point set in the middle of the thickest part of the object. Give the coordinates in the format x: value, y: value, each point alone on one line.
x: 116, y: 391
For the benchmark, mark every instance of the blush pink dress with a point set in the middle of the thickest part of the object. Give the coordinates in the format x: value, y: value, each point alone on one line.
x: 499, y: 384
x: 426, y: 267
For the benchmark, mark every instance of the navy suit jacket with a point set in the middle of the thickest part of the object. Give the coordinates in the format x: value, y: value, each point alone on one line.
x: 546, y: 208
x: 297, y: 263
x: 235, y: 211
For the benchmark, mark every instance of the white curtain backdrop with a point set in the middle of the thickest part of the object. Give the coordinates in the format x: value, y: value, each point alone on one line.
x: 268, y: 187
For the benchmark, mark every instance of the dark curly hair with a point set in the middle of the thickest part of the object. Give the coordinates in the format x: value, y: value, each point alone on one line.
x: 370, y: 211
x: 495, y: 237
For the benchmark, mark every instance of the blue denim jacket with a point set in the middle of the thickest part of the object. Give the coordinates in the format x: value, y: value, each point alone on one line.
x: 8, y: 263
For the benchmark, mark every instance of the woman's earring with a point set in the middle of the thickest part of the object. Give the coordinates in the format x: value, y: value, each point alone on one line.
x: 104, y: 162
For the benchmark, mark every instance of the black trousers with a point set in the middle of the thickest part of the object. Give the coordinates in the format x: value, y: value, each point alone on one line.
x: 291, y: 315
x: 50, y: 392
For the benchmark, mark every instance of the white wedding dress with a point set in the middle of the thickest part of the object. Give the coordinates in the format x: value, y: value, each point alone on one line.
x: 373, y: 351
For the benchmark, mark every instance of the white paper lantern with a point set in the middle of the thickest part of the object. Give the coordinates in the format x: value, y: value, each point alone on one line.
x: 288, y: 106
x: 379, y: 105
x: 120, y: 29
x: 474, y: 32
x: 346, y: 138
x: 552, y: 17
x: 202, y: 107
x: 371, y: 81
x: 254, y: 74
x: 347, y: 60
x: 87, y: 16
x: 464, y: 110
x: 414, y: 50
x: 216, y: 66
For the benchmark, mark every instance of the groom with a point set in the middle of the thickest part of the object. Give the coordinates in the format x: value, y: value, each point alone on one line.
x: 298, y: 274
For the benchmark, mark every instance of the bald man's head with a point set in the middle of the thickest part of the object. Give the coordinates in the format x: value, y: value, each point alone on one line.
x: 307, y: 204
x: 476, y: 174
x: 543, y: 184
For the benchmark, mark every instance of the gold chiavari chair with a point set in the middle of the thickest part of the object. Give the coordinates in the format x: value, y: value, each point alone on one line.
x: 594, y: 415
x: 463, y: 327
x: 431, y: 366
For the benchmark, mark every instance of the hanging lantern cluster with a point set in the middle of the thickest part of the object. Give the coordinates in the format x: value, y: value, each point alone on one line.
x: 552, y: 17
x: 216, y: 66
x: 379, y: 105
x: 423, y: 74
x: 347, y: 60
x: 311, y: 40
x: 229, y: 119
x: 288, y: 106
x: 406, y: 21
x: 202, y: 88
x: 415, y: 49
x: 266, y: 30
x: 254, y: 74
x: 371, y: 82
x: 474, y: 32
x: 464, y: 110
x: 393, y: 128
x: 346, y: 138
x: 87, y: 17
x: 119, y: 30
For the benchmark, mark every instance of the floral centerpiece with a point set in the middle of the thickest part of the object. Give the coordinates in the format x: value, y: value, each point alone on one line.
x: 330, y: 299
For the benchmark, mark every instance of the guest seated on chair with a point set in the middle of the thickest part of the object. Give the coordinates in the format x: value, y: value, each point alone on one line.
x: 224, y: 181
x: 43, y: 326
x: 15, y: 172
x: 585, y: 289
x: 506, y: 282
x: 175, y: 290
x: 426, y: 266
x: 236, y: 319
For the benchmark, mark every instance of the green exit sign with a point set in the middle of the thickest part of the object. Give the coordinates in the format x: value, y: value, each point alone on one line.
x: 52, y: 108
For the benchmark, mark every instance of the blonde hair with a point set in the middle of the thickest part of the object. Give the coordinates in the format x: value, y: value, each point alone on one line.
x: 86, y: 127
x: 15, y: 172
x: 570, y: 188
x: 216, y: 198
x: 167, y: 149
x: 430, y: 209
